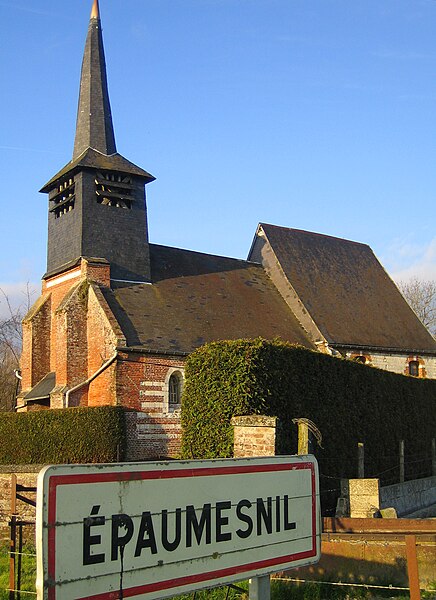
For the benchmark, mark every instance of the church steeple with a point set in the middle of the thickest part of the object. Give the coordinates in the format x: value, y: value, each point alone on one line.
x: 94, y: 128
x: 97, y: 202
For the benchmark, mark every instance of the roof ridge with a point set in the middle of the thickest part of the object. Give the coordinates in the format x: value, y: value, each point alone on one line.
x: 241, y: 260
x: 314, y: 233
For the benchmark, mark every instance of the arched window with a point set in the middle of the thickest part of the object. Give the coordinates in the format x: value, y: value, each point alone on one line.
x: 414, y: 368
x: 360, y: 359
x: 175, y: 386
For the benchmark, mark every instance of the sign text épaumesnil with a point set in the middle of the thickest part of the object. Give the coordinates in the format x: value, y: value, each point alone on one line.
x: 150, y: 530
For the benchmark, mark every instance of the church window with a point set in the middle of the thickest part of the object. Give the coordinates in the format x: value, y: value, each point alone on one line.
x: 114, y: 189
x: 360, y: 359
x: 414, y: 368
x: 363, y: 359
x: 63, y: 197
x: 175, y: 390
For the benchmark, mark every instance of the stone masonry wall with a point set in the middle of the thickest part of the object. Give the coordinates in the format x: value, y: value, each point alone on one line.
x: 24, y: 511
x: 397, y: 363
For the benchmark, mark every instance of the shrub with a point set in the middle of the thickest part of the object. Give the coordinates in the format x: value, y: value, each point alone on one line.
x: 349, y: 403
x: 71, y: 435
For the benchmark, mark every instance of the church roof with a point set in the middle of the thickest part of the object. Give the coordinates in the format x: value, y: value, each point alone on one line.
x: 347, y: 292
x: 94, y: 128
x: 41, y: 391
x: 94, y: 143
x: 196, y: 298
x: 93, y: 159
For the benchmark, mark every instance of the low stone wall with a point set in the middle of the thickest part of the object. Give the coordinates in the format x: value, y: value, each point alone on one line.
x: 410, y: 496
x: 24, y: 511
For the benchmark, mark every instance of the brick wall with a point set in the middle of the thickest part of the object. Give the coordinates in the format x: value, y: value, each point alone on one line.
x: 35, y: 361
x: 254, y: 435
x: 142, y: 385
x: 82, y: 335
x: 71, y: 331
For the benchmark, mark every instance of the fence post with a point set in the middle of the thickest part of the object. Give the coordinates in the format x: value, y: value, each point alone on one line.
x: 259, y: 588
x: 401, y: 461
x: 360, y: 460
x: 433, y: 457
x: 303, y: 438
x: 13, y: 537
x: 412, y: 567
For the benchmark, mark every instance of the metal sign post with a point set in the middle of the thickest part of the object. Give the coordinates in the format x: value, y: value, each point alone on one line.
x: 154, y: 530
x: 259, y: 588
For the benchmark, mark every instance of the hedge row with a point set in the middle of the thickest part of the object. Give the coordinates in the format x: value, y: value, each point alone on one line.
x: 72, y: 435
x: 349, y: 403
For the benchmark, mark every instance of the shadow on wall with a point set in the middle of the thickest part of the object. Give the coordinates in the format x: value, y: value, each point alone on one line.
x: 375, y: 563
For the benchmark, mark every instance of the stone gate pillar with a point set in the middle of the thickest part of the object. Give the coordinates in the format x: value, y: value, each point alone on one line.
x: 254, y: 435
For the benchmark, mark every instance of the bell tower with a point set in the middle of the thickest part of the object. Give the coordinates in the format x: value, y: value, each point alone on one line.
x: 97, y: 202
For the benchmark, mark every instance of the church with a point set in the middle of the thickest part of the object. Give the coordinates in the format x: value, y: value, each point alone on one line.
x: 118, y: 315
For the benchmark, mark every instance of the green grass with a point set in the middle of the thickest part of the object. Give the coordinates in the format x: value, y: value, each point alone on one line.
x: 28, y: 571
x: 280, y: 590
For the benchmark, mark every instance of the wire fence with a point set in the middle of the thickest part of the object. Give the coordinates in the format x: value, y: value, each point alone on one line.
x: 349, y: 584
x: 418, y: 465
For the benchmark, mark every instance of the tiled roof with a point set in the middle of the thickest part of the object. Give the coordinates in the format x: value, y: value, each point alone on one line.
x: 195, y: 298
x: 347, y: 292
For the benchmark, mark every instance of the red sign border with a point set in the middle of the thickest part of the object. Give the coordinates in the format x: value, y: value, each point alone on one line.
x: 57, y: 480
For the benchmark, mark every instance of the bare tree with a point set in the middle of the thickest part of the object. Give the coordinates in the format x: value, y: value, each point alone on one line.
x: 10, y: 348
x: 421, y: 295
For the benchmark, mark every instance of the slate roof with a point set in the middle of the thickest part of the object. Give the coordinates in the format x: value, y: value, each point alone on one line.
x: 94, y: 143
x: 196, y: 298
x: 42, y: 389
x: 93, y: 159
x: 94, y: 128
x: 347, y: 292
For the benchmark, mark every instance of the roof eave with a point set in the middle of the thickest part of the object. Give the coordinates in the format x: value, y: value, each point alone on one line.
x: 93, y: 159
x: 143, y: 350
x: 382, y: 349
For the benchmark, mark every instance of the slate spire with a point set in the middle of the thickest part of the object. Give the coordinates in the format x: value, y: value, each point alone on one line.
x: 97, y: 202
x: 94, y: 128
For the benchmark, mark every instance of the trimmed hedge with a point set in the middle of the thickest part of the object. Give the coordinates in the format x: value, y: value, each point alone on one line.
x: 71, y: 435
x: 348, y: 401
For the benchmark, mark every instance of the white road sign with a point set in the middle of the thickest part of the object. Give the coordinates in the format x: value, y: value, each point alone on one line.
x: 153, y: 530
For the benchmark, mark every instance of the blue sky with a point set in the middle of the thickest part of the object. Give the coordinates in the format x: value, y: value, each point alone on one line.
x: 313, y: 114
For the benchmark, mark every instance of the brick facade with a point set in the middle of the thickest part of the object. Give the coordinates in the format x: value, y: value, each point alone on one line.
x: 72, y: 331
x: 142, y: 385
